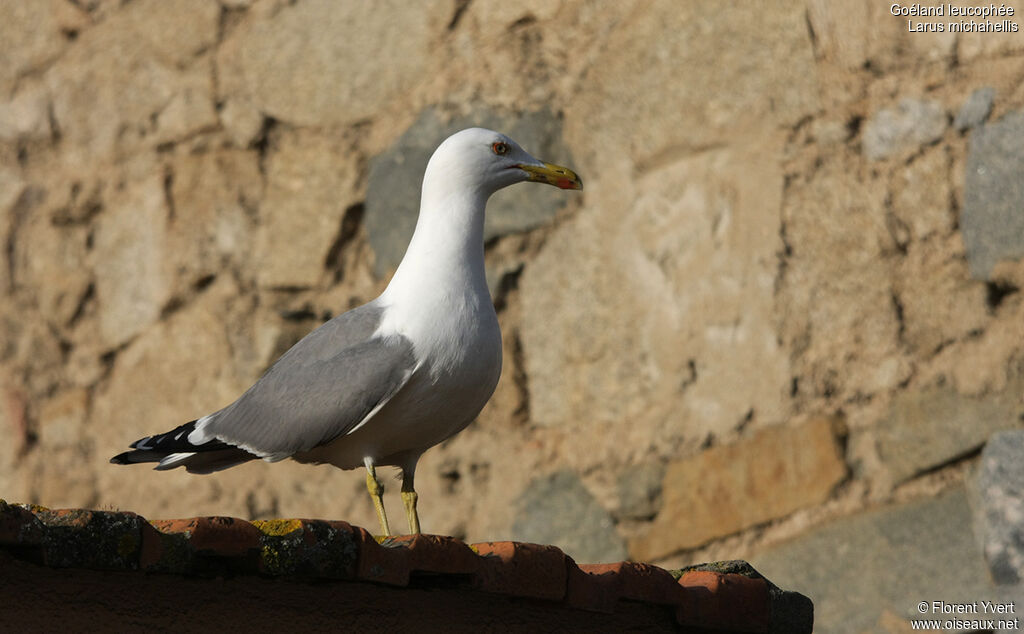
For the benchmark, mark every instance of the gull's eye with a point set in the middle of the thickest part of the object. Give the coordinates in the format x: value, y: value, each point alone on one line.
x: 500, y: 148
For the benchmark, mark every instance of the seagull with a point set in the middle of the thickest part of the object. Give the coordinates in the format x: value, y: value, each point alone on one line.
x: 384, y: 382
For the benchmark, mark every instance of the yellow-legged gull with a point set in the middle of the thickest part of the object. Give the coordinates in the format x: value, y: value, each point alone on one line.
x: 384, y: 382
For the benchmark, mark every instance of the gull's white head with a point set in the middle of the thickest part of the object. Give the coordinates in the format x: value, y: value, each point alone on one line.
x: 485, y: 161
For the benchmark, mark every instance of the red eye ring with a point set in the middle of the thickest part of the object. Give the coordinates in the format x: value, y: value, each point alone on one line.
x: 500, y: 148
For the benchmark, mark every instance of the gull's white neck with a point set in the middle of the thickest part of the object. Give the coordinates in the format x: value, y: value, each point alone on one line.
x: 445, y: 258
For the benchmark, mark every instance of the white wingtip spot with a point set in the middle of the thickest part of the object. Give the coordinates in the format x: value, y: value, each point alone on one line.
x: 173, y: 460
x: 198, y: 435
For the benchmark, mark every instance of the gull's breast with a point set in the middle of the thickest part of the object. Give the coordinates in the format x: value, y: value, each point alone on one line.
x: 459, y: 357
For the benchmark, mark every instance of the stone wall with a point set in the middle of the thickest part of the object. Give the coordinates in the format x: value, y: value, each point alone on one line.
x: 789, y: 295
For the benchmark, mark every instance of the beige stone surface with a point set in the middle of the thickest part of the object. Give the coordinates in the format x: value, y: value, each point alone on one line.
x: 673, y: 97
x: 937, y: 268
x: 839, y: 320
x: 111, y: 90
x: 175, y: 372
x: 922, y: 197
x: 323, y: 63
x: 12, y: 187
x: 310, y: 183
x: 643, y: 312
x: 51, y: 263
x: 215, y: 197
x: 728, y: 488
x: 132, y: 281
x: 32, y: 35
x: 983, y: 363
x: 13, y: 422
x: 934, y: 426
x: 241, y: 121
x: 26, y: 115
x: 63, y: 439
x: 973, y: 46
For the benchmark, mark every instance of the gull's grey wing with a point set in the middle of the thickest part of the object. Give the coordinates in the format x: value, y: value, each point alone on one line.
x: 320, y: 389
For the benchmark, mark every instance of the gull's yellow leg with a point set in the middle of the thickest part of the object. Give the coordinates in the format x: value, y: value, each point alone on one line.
x: 409, y: 498
x: 376, y: 490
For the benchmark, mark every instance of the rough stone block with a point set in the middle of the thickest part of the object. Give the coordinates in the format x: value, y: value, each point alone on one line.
x: 928, y: 428
x: 725, y: 489
x: 841, y: 348
x: 931, y: 270
x: 992, y: 222
x: 215, y: 195
x: 997, y: 494
x: 976, y: 109
x: 921, y: 198
x: 112, y: 87
x: 310, y: 183
x: 132, y: 283
x: 52, y: 262
x: 190, y: 110
x: 241, y: 121
x: 32, y: 34
x: 989, y: 44
x: 307, y: 63
x: 176, y: 371
x: 26, y: 116
x: 648, y: 67
x: 558, y: 509
x: 651, y: 305
x: 62, y: 417
x: 640, y: 490
x: 856, y: 568
x: 911, y: 124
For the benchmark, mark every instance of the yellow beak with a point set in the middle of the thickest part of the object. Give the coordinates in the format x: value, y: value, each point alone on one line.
x: 561, y: 177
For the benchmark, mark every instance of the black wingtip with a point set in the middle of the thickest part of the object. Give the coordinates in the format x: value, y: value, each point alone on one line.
x: 137, y: 456
x: 122, y: 458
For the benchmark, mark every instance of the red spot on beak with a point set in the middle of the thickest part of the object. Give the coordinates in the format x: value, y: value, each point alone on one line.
x: 564, y: 183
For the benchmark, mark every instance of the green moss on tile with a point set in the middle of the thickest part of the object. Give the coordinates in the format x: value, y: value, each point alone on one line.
x: 277, y: 528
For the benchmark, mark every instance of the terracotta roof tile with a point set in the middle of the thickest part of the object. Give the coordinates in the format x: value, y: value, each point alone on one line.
x: 726, y: 601
x: 225, y: 536
x: 725, y: 596
x: 19, y: 525
x: 436, y: 554
x: 522, y: 570
x: 594, y: 592
x: 100, y: 540
x: 639, y: 582
x: 200, y: 545
x: 383, y: 564
x: 310, y: 548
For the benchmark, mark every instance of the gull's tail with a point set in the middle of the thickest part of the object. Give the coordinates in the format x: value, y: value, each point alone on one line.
x: 173, y: 449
